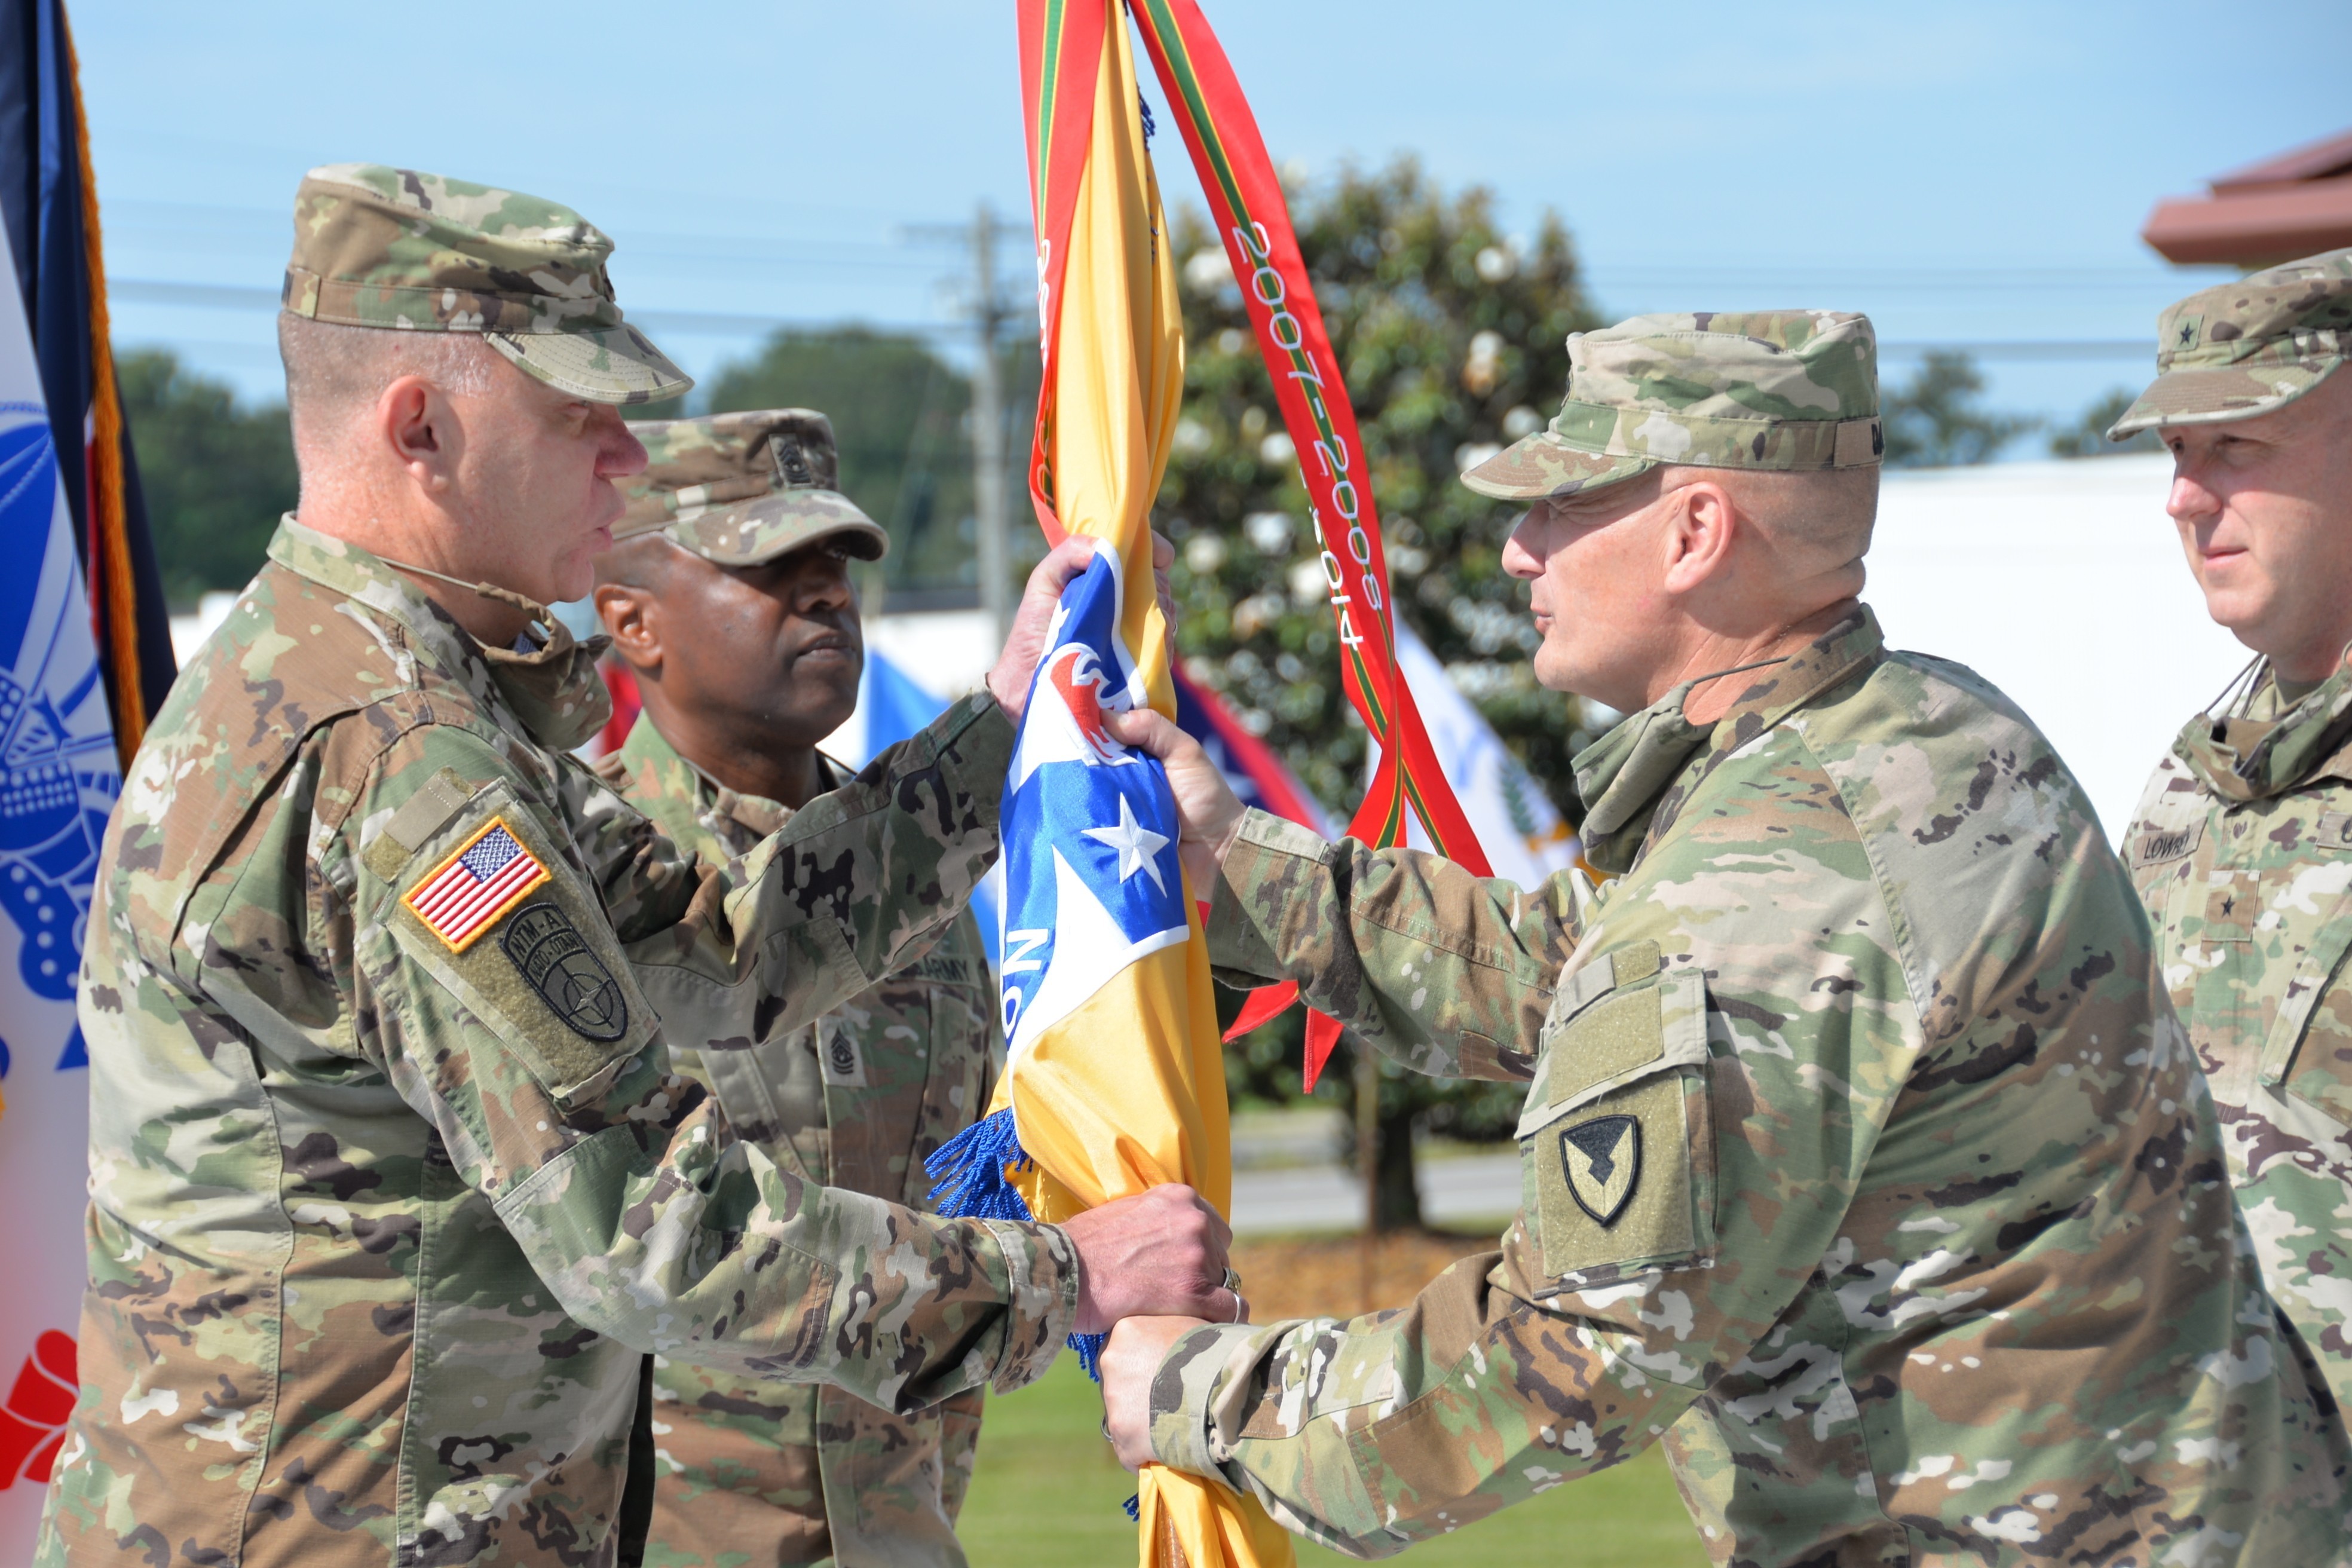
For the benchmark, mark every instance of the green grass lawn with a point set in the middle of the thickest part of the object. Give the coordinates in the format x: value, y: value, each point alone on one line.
x: 1047, y: 1495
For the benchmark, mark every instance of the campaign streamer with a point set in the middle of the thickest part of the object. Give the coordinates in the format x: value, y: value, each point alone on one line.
x: 1254, y: 220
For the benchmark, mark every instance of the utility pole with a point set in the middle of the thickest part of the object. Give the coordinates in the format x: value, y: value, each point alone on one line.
x: 995, y: 545
x: 992, y: 511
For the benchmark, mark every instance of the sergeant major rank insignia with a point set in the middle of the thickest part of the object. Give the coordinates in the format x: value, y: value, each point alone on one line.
x: 844, y: 1064
x: 465, y: 895
x: 1603, y: 1160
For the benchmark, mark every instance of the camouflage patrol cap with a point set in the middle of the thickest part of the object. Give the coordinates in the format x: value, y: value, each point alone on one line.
x: 375, y: 247
x: 740, y: 488
x: 2240, y: 349
x: 1764, y: 389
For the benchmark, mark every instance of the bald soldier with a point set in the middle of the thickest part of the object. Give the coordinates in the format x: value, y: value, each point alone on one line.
x: 394, y: 1181
x: 2242, y: 847
x: 728, y: 594
x: 1863, y: 1162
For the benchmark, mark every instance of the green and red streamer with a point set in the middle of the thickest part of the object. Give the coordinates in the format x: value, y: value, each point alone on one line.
x: 1061, y: 45
x: 1253, y: 219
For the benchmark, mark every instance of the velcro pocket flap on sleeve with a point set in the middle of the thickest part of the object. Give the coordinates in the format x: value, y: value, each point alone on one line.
x: 488, y: 908
x: 412, y: 824
x: 1617, y: 1142
x: 1625, y: 1034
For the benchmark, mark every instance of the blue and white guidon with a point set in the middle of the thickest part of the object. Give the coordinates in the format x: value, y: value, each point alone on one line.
x: 1089, y: 828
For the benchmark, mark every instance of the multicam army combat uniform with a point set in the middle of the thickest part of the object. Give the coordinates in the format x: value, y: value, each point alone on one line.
x: 392, y: 1185
x: 2242, y: 851
x: 754, y: 1471
x: 2242, y: 847
x: 1862, y: 1160
x: 1862, y: 1163
x: 381, y: 1226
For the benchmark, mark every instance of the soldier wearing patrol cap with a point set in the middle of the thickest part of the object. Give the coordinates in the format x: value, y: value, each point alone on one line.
x: 1863, y: 1162
x: 728, y: 595
x: 394, y: 1181
x: 2242, y: 847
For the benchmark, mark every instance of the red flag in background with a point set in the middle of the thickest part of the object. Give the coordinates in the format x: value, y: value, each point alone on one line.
x: 1257, y: 776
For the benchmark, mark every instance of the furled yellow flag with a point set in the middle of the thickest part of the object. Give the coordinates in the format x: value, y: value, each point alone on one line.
x: 1116, y: 1075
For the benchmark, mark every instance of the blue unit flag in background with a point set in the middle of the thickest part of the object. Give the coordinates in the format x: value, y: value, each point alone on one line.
x: 59, y: 779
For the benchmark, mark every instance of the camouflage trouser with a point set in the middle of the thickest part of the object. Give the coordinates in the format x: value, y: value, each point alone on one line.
x: 764, y: 1475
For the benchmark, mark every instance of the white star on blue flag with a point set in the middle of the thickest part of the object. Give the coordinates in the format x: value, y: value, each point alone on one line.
x: 1091, y: 882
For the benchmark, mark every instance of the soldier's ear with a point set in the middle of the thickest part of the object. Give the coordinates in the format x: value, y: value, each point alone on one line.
x: 1702, y: 520
x: 632, y: 619
x: 413, y: 419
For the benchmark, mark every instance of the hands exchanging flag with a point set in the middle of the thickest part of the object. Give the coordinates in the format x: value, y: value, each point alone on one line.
x: 1129, y: 1362
x: 1163, y: 1251
x: 1205, y: 804
x: 1158, y: 1256
x: 1032, y: 622
x: 1151, y: 1266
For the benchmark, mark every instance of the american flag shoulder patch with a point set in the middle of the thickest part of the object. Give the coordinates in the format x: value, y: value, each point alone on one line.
x: 465, y: 895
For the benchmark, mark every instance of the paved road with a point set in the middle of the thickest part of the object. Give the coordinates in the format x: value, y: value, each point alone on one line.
x: 1468, y: 1191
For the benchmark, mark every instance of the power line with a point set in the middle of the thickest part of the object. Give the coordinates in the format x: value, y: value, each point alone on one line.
x: 244, y: 297
x: 240, y: 297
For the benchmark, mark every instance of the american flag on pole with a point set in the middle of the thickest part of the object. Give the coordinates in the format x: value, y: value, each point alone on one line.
x: 465, y: 895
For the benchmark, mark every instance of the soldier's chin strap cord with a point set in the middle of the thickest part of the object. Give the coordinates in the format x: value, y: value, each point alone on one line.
x: 2240, y: 690
x: 1699, y: 680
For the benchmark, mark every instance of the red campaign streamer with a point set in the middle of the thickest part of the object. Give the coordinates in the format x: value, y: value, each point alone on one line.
x: 1061, y: 45
x: 1061, y: 52
x: 1254, y: 220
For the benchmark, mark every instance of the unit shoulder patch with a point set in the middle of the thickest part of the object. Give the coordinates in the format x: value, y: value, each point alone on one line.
x: 556, y: 961
x: 471, y: 891
x: 1602, y: 1161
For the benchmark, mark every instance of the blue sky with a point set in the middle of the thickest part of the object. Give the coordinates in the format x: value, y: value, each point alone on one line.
x: 1965, y: 173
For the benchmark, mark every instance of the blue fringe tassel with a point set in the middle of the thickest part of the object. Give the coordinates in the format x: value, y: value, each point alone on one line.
x: 969, y: 1170
x: 1134, y: 1506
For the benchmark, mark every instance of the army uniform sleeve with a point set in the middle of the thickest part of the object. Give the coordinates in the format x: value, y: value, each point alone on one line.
x: 1650, y: 1256
x: 498, y: 998
x: 841, y: 895
x: 1448, y: 972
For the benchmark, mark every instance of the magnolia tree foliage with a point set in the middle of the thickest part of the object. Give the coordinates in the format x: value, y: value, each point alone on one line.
x: 1451, y: 334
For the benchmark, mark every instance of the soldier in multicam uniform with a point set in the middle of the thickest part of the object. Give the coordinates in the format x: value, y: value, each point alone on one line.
x: 2242, y: 847
x: 728, y: 594
x: 1863, y: 1161
x: 393, y: 1185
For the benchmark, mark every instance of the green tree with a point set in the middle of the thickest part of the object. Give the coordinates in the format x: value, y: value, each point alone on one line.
x: 216, y: 476
x: 1937, y: 420
x: 901, y: 415
x: 1453, y: 341
x: 2087, y: 435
